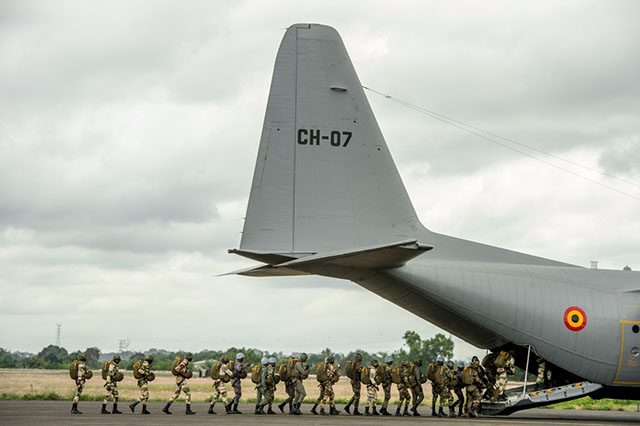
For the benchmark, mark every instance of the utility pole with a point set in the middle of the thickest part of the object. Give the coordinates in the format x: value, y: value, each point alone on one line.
x: 59, y: 335
x: 123, y: 345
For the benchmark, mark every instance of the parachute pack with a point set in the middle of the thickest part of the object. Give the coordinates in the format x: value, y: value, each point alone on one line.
x: 215, y: 370
x: 105, y: 369
x: 136, y: 369
x: 440, y: 376
x: 351, y: 369
x: 282, y: 371
x: 431, y: 372
x: 488, y: 361
x: 501, y: 359
x: 381, y: 374
x: 321, y: 373
x: 364, y: 376
x: 291, y: 368
x: 256, y: 373
x: 174, y: 364
x: 73, y: 369
x: 466, y: 376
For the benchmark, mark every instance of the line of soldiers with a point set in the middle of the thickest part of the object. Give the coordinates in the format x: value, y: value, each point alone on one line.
x: 446, y: 381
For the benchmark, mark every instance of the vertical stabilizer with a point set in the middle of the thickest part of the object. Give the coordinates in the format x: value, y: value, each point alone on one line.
x: 324, y: 178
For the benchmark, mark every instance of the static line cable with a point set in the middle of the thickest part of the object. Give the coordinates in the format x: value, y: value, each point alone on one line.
x: 476, y: 131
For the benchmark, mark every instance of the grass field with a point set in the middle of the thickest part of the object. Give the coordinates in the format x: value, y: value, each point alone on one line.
x: 56, y: 385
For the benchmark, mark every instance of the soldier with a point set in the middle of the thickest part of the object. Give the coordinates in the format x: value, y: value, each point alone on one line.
x: 544, y: 375
x: 143, y: 383
x: 403, y: 388
x: 416, y: 386
x: 220, y: 386
x: 268, y: 384
x: 111, y: 387
x: 448, y: 382
x: 239, y: 370
x: 472, y: 389
x: 435, y: 386
x: 458, y: 388
x: 182, y: 372
x: 386, y: 384
x: 83, y: 374
x: 507, y: 368
x: 355, y: 386
x: 300, y: 372
x: 326, y: 388
x: 261, y: 387
x: 372, y: 390
x: 289, y: 389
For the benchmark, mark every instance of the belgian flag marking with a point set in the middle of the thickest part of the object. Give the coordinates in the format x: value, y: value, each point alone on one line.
x: 575, y: 318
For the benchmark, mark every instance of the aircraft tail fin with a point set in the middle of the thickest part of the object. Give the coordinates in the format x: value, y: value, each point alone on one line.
x: 324, y: 178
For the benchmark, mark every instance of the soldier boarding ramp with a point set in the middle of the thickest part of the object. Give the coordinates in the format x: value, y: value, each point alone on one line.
x: 526, y: 397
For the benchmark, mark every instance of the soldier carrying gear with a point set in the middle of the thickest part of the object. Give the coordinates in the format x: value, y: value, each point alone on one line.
x: 435, y: 386
x: 403, y: 388
x: 544, y: 374
x: 182, y: 372
x: 354, y: 365
x: 80, y: 374
x: 239, y: 372
x: 445, y: 377
x: 224, y: 374
x: 473, y: 382
x: 416, y: 386
x: 288, y: 384
x: 300, y: 372
x: 326, y: 387
x: 268, y: 385
x: 458, y: 389
x: 142, y: 372
x: 385, y: 377
x: 261, y: 387
x: 505, y: 364
x: 111, y: 385
x: 372, y: 388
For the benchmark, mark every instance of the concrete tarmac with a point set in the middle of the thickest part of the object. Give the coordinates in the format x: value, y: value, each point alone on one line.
x: 58, y: 413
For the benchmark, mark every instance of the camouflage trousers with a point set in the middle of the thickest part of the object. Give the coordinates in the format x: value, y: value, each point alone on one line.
x: 435, y: 393
x: 220, y: 392
x: 326, y: 390
x: 181, y: 386
x: 111, y: 389
x: 355, y: 387
x: 79, y: 389
x: 237, y: 390
x: 540, y: 378
x: 473, y: 398
x: 299, y: 391
x: 372, y: 395
x: 268, y: 395
x: 418, y: 395
x: 386, y: 387
x: 405, y: 396
x: 290, y: 390
x: 144, y: 391
x: 502, y: 380
x: 460, y: 395
x: 260, y: 395
x: 446, y: 399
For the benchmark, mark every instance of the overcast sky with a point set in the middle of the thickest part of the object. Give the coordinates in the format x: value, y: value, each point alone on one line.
x: 129, y: 130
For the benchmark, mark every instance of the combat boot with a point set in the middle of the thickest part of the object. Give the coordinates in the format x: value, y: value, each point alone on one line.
x: 414, y: 410
x: 333, y: 411
x: 473, y: 413
x: 144, y: 409
x: 313, y: 409
x: 356, y: 412
x: 398, y: 411
x: 433, y: 410
x: 115, y: 409
x: 452, y: 411
x: 166, y: 408
x: 281, y: 407
x: 347, y: 407
x: 270, y: 411
x: 188, y: 410
x: 235, y: 409
x: 104, y: 409
x: 74, y: 409
x: 258, y: 409
x: 406, y: 410
x: 366, y: 411
x: 441, y: 412
x: 296, y: 410
x: 210, y: 411
x: 227, y: 408
x: 290, y: 407
x: 322, y: 413
x: 133, y: 405
x: 375, y: 412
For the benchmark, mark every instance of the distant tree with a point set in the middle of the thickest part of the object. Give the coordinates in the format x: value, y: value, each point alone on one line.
x: 33, y: 362
x: 92, y: 355
x: 8, y: 360
x: 426, y: 350
x: 54, y: 357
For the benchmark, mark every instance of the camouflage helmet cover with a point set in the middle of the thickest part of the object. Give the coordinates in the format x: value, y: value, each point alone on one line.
x: 374, y: 362
x: 188, y: 356
x: 82, y: 357
x: 303, y: 357
x: 149, y: 358
x: 330, y: 359
x: 116, y: 358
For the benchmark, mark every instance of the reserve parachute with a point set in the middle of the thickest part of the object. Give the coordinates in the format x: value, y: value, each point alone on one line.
x: 105, y: 369
x: 365, y: 378
x: 215, y: 370
x: 136, y: 369
x: 321, y: 373
x: 256, y: 373
x: 467, y: 378
x: 73, y: 369
x: 395, y: 375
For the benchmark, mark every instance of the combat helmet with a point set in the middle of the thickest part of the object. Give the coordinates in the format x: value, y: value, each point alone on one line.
x: 188, y: 356
x: 303, y: 357
x: 82, y: 357
x: 330, y: 359
x: 239, y: 356
x: 405, y: 362
x: 149, y: 358
x: 264, y: 361
x: 224, y: 359
x: 450, y: 365
x: 358, y: 356
x: 116, y: 358
x: 272, y: 360
x: 460, y: 365
x: 388, y: 360
x: 375, y: 363
x: 418, y: 362
x: 440, y: 360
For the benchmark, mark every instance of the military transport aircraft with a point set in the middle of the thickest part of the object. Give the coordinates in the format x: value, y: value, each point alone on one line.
x: 327, y: 199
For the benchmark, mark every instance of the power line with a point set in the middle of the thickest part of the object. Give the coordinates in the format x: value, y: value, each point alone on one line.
x: 483, y: 134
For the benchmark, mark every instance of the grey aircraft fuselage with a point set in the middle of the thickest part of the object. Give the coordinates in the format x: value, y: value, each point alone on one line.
x: 327, y: 199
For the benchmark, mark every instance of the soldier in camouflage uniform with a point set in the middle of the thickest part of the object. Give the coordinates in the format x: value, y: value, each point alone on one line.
x: 372, y: 390
x: 183, y: 373
x: 111, y: 387
x: 403, y: 388
x: 268, y: 384
x: 326, y: 388
x: 386, y: 384
x: 290, y: 390
x: 458, y: 389
x: 143, y: 384
x: 80, y: 381
x: 355, y: 386
x: 446, y: 397
x: 261, y: 388
x: 300, y: 372
x: 220, y: 387
x: 473, y: 390
x: 239, y: 370
x: 509, y: 368
x: 416, y: 387
x: 435, y: 386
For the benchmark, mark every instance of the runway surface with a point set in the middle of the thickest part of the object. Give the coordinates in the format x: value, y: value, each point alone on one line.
x: 57, y: 413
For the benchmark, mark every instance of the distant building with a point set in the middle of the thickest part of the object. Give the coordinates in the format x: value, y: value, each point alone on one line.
x: 626, y: 268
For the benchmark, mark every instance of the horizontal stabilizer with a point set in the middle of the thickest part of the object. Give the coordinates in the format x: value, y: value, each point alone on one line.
x: 265, y: 271
x: 263, y: 256
x: 372, y: 257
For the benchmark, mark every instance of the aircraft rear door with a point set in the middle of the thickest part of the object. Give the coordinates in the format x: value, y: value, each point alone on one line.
x: 629, y: 365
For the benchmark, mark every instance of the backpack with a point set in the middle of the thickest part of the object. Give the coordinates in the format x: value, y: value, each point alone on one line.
x: 256, y: 373
x: 136, y: 369
x: 395, y: 375
x: 488, y: 360
x: 364, y: 376
x: 381, y: 374
x: 283, y: 371
x: 351, y: 369
x: 174, y: 364
x: 73, y: 369
x: 440, y: 376
x: 291, y: 368
x: 105, y: 369
x: 501, y: 359
x: 215, y: 370
x: 412, y: 375
x: 431, y: 372
x: 321, y: 373
x: 466, y: 377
